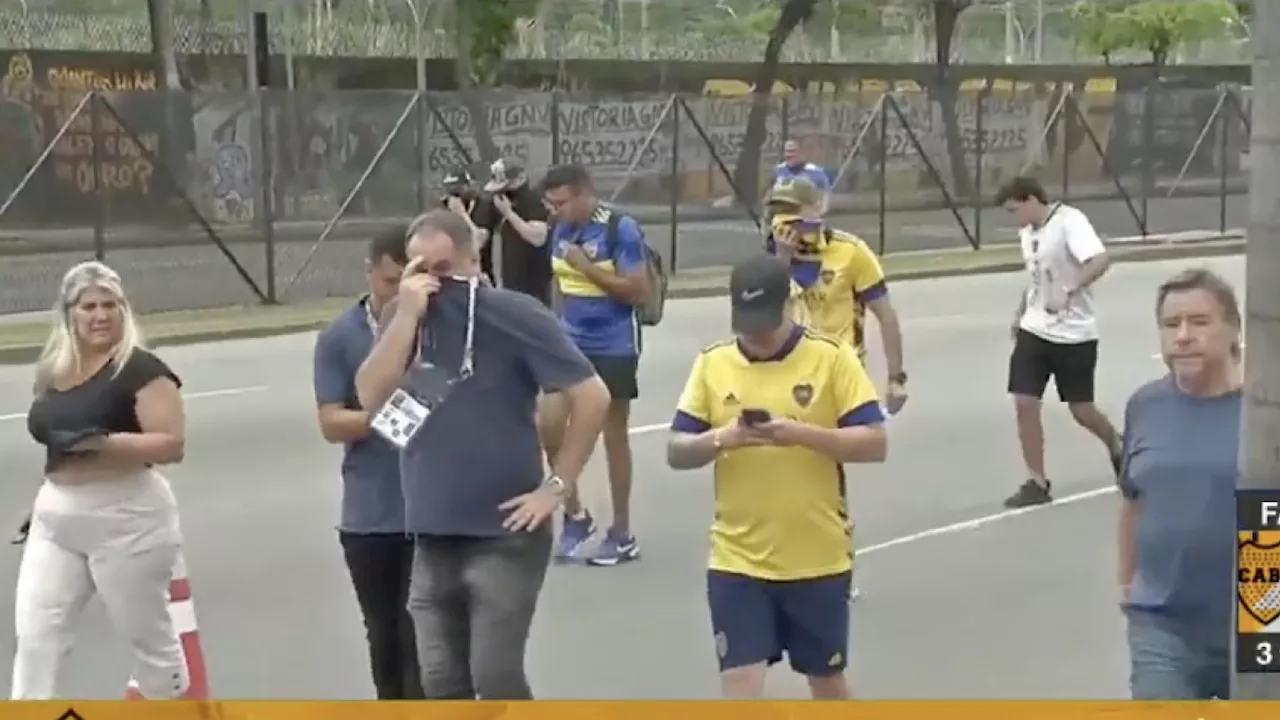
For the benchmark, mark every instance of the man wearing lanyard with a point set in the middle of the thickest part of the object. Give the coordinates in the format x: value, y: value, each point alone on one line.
x: 372, y: 530
x: 455, y: 374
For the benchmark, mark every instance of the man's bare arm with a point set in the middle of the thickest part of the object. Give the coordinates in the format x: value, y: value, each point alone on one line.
x: 890, y: 333
x: 690, y: 451
x: 379, y: 374
x: 588, y: 405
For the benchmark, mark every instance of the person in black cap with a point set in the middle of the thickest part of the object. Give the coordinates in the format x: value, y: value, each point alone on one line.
x: 461, y: 196
x: 779, y: 410
x: 517, y: 224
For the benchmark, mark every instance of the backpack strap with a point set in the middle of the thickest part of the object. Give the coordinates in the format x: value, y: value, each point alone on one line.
x: 612, y: 234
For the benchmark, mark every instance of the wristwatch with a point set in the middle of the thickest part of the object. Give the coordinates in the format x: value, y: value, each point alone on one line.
x: 555, y: 485
x: 898, y: 378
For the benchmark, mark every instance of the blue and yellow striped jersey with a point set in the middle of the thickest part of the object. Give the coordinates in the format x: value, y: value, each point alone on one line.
x: 599, y: 324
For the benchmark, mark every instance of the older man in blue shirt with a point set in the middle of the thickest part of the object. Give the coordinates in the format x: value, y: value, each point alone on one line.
x: 468, y: 362
x: 372, y: 531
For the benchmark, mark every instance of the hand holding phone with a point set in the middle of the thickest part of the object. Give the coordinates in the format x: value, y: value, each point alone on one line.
x: 755, y: 416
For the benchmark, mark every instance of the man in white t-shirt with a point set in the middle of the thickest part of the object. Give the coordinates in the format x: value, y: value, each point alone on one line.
x: 1055, y: 333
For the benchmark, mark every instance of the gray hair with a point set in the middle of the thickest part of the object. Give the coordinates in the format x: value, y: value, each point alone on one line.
x: 449, y: 224
x: 1210, y: 282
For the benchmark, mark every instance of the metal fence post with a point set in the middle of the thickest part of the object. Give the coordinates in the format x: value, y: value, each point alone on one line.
x: 266, y: 193
x: 555, y: 128
x: 99, y: 193
x: 980, y: 114
x: 1148, y: 147
x: 1068, y: 120
x: 676, y: 108
x: 421, y: 161
x: 883, y: 167
x: 1224, y: 131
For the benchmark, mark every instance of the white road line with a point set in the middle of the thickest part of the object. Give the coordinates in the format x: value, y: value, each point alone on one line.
x: 188, y: 396
x: 976, y: 523
x: 642, y: 429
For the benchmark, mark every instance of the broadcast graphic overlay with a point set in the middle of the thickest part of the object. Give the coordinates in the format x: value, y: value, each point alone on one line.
x: 1258, y: 581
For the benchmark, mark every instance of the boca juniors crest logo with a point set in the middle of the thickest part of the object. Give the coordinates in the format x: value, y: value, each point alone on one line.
x: 827, y: 276
x: 802, y: 394
x: 1258, y: 580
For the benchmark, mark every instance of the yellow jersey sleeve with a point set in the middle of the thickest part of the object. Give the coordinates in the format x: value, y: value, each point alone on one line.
x: 693, y: 411
x: 859, y: 404
x: 866, y: 273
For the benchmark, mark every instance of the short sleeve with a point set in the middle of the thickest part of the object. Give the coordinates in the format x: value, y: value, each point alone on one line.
x: 693, y: 412
x: 867, y: 274
x: 334, y: 382
x: 1082, y: 240
x: 141, y: 369
x: 821, y: 179
x: 1125, y: 480
x: 630, y: 253
x: 543, y: 345
x: 856, y: 397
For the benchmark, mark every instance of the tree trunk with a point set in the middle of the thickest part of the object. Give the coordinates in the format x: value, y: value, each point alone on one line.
x: 160, y: 18
x: 472, y: 88
x: 746, y: 174
x: 1260, y: 451
x: 946, y: 94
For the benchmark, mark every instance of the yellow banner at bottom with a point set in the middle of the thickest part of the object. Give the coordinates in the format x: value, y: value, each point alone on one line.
x: 633, y: 710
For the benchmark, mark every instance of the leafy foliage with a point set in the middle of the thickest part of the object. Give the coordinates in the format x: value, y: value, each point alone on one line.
x: 486, y: 28
x: 1158, y: 27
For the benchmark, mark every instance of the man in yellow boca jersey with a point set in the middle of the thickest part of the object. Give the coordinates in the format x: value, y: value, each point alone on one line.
x: 779, y: 410
x: 836, y: 279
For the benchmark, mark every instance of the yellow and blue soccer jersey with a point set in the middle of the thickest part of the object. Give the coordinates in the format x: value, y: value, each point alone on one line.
x: 597, y: 323
x: 832, y: 284
x: 781, y: 513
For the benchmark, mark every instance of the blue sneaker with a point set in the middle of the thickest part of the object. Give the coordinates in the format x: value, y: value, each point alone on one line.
x: 575, y: 533
x: 615, y: 550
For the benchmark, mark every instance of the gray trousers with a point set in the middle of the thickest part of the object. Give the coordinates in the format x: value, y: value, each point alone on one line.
x: 472, y: 601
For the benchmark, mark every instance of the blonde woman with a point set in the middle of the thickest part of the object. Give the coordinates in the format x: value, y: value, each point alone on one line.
x: 103, y: 521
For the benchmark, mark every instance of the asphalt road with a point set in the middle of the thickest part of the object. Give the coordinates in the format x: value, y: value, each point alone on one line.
x: 195, y: 276
x: 1001, y: 607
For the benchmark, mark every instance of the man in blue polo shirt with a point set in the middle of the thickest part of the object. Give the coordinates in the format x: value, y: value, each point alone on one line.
x: 794, y: 166
x: 458, y: 367
x: 601, y: 278
x: 372, y: 533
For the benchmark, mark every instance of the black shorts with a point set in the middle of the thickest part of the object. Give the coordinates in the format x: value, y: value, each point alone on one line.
x: 1071, y: 365
x: 618, y: 373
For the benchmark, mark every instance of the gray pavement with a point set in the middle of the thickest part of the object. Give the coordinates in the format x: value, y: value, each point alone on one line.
x: 196, y: 274
x: 1010, y: 607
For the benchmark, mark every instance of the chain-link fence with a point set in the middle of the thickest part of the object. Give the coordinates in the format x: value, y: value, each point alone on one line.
x: 207, y: 199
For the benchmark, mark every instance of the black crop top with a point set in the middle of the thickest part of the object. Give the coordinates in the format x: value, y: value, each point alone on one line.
x: 105, y: 401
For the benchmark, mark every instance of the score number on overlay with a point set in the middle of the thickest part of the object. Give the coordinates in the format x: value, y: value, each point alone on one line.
x: 1258, y: 582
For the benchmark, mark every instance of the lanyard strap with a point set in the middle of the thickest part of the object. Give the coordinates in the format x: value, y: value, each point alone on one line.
x: 469, y: 344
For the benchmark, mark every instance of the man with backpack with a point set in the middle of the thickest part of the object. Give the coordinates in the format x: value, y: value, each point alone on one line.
x: 609, y: 282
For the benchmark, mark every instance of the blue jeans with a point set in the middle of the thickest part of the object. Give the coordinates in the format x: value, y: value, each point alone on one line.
x: 1177, y: 659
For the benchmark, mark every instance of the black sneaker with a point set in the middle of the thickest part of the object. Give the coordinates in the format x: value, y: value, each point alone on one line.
x: 1028, y: 494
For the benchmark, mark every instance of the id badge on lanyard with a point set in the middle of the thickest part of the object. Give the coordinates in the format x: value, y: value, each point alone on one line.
x: 425, y: 387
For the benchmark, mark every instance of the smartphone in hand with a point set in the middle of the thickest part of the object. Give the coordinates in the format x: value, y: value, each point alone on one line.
x: 754, y: 416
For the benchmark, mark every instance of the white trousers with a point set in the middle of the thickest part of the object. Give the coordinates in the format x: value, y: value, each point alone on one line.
x: 117, y: 537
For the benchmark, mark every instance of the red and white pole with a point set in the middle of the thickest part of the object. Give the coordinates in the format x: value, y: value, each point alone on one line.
x: 182, y: 612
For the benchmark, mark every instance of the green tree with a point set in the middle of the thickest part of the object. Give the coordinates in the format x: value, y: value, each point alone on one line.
x: 1156, y: 27
x: 484, y: 29
x: 746, y: 175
